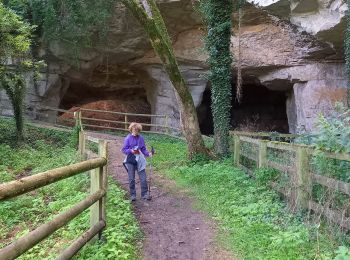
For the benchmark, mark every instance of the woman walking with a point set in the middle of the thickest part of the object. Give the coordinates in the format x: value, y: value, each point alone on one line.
x: 135, y: 150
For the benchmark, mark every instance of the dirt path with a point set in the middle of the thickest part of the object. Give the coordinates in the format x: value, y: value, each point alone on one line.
x: 172, y: 228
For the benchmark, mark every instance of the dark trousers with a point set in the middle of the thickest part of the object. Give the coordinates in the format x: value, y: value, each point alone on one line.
x: 143, y: 180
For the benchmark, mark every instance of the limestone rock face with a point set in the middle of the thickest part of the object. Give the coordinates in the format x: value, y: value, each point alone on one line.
x: 293, y: 46
x: 323, y: 18
x: 315, y: 89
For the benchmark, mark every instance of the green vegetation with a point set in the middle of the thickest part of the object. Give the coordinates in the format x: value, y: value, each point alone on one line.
x: 152, y: 21
x: 42, y: 150
x: 217, y: 15
x: 14, y: 47
x: 256, y: 224
x: 347, y: 49
x: 76, y: 24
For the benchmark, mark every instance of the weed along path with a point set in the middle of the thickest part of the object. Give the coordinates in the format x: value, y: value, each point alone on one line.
x: 172, y: 228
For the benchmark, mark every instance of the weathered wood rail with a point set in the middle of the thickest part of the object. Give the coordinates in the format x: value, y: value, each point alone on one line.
x: 298, y: 193
x: 89, y: 122
x: 95, y: 201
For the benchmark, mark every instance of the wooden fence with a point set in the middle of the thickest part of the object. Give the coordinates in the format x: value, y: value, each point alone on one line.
x: 88, y: 122
x: 95, y: 201
x: 301, y: 176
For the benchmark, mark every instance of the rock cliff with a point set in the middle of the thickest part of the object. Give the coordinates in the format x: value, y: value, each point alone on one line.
x: 293, y: 47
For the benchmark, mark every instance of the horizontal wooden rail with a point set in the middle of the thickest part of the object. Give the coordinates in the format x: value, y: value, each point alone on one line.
x: 249, y: 140
x: 122, y: 129
x: 29, y: 240
x: 92, y: 139
x: 281, y: 146
x: 104, y: 120
x: 26, y: 184
x: 120, y: 113
x: 69, y: 252
x: 332, y: 183
x: 126, y: 123
x: 336, y: 156
x: 263, y: 134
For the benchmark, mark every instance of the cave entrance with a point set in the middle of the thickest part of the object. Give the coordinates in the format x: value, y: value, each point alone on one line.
x: 260, y: 109
x: 80, y: 94
x: 116, y: 98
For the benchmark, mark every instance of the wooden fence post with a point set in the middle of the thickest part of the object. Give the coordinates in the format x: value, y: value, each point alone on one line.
x: 302, y: 178
x: 98, y: 180
x: 81, y: 143
x: 103, y: 152
x: 77, y: 116
x: 236, y: 150
x: 262, y: 161
x: 126, y: 122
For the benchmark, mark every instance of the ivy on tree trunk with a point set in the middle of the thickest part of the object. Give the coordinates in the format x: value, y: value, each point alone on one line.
x: 347, y: 51
x: 14, y: 86
x: 217, y: 15
x: 148, y: 14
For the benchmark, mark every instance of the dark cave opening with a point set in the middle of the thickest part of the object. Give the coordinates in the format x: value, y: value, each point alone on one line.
x: 260, y: 109
x: 80, y: 94
x: 126, y: 100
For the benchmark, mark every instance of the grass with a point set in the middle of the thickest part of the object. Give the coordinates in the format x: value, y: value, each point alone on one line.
x: 255, y: 222
x: 46, y: 149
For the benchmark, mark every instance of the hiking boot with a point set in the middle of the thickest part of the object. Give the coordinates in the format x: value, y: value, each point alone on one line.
x: 133, y: 198
x: 146, y: 197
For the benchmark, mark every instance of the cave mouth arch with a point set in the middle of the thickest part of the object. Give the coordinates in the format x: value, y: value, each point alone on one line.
x: 122, y: 90
x: 260, y: 110
x: 125, y: 86
x: 82, y: 94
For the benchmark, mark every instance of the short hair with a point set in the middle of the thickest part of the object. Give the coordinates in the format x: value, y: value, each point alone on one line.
x: 137, y: 126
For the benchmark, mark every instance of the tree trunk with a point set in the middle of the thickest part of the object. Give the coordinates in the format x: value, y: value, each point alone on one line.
x: 18, y: 113
x: 347, y: 52
x: 154, y: 26
x: 14, y: 85
x: 217, y: 15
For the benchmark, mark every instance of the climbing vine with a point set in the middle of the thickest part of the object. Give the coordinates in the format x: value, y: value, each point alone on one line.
x: 347, y: 49
x: 217, y: 15
x: 240, y: 5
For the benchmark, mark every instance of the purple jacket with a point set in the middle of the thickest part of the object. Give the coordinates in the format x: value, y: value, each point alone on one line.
x: 131, y: 141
